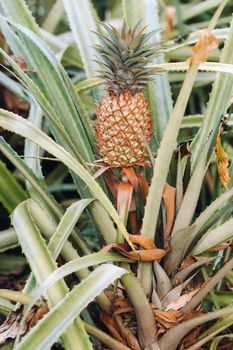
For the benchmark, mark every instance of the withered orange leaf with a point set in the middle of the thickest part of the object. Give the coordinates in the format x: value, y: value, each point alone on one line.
x: 143, y: 185
x: 139, y: 255
x: 112, y: 326
x: 112, y: 182
x: 123, y: 310
x: 131, y: 176
x: 169, y: 194
x: 222, y: 161
x: 168, y: 318
x: 170, y: 14
x: 206, y: 44
x: 219, y: 247
x: 124, y: 197
x: 145, y: 242
x: 189, y: 260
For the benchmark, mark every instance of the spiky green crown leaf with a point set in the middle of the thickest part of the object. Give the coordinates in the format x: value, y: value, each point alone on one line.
x: 123, y: 57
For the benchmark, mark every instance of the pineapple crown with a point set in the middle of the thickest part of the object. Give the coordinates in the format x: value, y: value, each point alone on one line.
x: 123, y: 57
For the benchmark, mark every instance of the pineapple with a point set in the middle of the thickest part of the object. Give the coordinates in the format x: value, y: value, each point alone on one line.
x: 123, y: 127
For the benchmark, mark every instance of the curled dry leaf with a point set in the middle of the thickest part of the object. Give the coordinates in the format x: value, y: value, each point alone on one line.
x: 189, y: 260
x: 139, y: 255
x: 219, y: 247
x: 222, y: 161
x: 169, y: 202
x: 150, y: 253
x: 170, y: 14
x: 112, y: 326
x: 182, y: 300
x: 10, y: 328
x: 167, y: 319
x: 145, y: 242
x: 206, y: 44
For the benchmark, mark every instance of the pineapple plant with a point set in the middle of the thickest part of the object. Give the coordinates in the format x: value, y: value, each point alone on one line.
x: 162, y: 237
x: 124, y: 121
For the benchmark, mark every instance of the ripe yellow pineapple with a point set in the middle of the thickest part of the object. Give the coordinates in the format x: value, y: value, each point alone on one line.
x: 123, y: 118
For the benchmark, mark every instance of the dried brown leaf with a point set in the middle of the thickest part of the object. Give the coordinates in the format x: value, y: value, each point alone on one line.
x: 222, y: 161
x: 206, y: 44
x: 169, y: 202
x: 170, y: 14
x: 143, y: 185
x: 131, y: 175
x: 182, y: 300
x: 219, y: 247
x: 189, y: 260
x: 150, y: 253
x: 124, y: 198
x: 10, y: 328
x: 112, y: 326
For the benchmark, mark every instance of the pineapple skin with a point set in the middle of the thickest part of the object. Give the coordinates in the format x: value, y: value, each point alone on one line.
x: 123, y: 129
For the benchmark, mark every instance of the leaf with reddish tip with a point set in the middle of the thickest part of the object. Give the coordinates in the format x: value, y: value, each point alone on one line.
x: 131, y: 176
x: 143, y: 185
x: 112, y: 326
x: 124, y: 197
x: 112, y: 181
x: 100, y: 171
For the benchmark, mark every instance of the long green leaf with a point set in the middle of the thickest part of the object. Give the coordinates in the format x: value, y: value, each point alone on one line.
x: 42, y: 264
x: 74, y: 266
x: 54, y: 83
x: 47, y: 331
x: 66, y: 225
x: 19, y: 12
x: 159, y: 90
x: 31, y: 150
x: 54, y: 16
x: 164, y: 156
x: 82, y: 20
x: 161, y: 168
x: 214, y: 237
